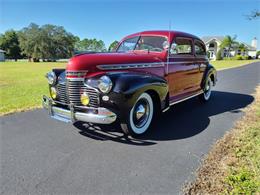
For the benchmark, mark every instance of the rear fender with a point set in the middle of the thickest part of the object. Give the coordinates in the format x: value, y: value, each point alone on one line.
x: 209, y: 72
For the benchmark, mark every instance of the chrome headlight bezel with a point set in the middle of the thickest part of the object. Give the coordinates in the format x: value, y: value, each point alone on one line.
x: 51, y: 77
x: 105, y: 84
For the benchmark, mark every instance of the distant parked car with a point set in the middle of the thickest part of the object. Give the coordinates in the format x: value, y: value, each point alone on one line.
x: 148, y: 72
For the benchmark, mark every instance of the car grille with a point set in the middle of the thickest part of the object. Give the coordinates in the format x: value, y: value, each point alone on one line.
x: 61, y: 87
x: 70, y: 93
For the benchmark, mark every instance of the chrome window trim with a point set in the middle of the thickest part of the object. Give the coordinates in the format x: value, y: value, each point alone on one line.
x: 188, y: 62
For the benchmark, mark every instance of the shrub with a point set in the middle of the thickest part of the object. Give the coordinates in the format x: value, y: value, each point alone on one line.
x: 246, y: 58
x: 257, y: 54
x: 238, y: 57
x: 208, y: 54
x: 219, y: 55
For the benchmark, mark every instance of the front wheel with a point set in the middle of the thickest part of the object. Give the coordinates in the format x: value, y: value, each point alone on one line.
x: 140, y: 117
x: 205, y: 96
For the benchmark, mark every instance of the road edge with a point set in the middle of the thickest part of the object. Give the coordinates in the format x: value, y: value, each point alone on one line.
x: 227, y: 167
x: 237, y: 66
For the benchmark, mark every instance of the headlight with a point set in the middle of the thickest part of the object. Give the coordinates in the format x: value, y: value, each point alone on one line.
x: 105, y: 84
x: 53, y: 93
x: 51, y: 76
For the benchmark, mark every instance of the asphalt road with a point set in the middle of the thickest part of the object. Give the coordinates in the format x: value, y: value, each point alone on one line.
x: 40, y: 155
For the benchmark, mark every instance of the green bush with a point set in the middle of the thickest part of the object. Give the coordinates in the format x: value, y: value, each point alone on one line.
x: 238, y: 57
x: 219, y: 56
x: 242, y: 182
x: 208, y: 54
x: 246, y: 58
x: 257, y: 54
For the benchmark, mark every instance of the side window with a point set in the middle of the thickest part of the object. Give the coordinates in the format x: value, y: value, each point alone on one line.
x: 181, y: 46
x: 199, y: 49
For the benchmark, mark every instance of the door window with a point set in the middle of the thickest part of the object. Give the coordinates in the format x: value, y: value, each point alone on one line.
x: 181, y: 46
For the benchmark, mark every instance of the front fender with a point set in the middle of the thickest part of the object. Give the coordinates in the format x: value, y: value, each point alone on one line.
x: 128, y: 86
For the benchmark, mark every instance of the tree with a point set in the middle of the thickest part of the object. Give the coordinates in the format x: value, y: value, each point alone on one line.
x: 56, y: 42
x: 113, y: 46
x: 48, y: 42
x: 255, y: 14
x: 229, y: 43
x: 10, y: 43
x: 242, y: 48
x: 90, y: 45
x: 30, y: 42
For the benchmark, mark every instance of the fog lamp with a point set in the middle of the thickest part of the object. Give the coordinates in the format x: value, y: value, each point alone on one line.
x: 53, y: 93
x: 84, y: 98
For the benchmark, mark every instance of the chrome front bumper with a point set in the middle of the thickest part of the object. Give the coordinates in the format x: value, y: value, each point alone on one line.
x: 104, y: 115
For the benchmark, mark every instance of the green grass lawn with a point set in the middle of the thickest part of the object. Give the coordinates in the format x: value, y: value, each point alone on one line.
x: 22, y: 84
x: 230, y: 63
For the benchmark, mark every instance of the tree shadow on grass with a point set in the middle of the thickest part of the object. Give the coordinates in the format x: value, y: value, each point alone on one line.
x: 182, y: 121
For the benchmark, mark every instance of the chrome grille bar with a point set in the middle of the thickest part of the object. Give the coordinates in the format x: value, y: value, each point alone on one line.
x: 70, y: 91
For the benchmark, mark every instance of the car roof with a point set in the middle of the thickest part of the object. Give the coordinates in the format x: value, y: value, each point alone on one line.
x: 165, y: 33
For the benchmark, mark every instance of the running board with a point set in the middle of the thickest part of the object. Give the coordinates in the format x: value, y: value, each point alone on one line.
x: 182, y: 100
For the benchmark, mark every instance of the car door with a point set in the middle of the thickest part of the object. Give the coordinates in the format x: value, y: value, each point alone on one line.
x: 201, y: 60
x: 182, y: 72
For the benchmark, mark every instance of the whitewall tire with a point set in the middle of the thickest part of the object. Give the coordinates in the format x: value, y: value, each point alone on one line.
x: 207, y: 90
x: 140, y: 116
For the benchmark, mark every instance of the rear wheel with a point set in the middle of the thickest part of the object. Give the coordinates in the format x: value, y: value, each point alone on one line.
x: 140, y: 117
x: 205, y: 96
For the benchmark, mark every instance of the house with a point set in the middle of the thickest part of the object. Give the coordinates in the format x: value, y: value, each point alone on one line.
x: 213, y: 46
x: 2, y: 55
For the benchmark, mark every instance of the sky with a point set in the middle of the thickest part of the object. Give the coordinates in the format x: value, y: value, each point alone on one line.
x: 111, y: 20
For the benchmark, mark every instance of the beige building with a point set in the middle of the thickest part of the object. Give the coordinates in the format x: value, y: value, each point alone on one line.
x: 213, y: 45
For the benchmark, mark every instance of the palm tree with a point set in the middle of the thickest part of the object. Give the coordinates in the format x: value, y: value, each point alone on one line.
x: 229, y: 43
x: 242, y: 48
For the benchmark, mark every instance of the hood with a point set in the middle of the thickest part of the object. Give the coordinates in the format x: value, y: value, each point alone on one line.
x: 90, y: 61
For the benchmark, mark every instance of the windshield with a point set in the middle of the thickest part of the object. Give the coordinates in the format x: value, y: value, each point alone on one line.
x: 148, y: 43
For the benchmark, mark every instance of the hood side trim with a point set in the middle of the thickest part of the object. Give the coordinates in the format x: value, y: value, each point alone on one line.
x: 128, y: 66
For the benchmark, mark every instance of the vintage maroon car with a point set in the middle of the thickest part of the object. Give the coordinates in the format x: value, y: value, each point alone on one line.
x: 147, y: 73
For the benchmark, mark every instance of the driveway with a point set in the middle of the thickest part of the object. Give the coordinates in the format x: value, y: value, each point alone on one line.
x: 40, y: 155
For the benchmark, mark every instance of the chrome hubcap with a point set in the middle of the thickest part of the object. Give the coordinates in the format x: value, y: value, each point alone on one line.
x: 141, y: 113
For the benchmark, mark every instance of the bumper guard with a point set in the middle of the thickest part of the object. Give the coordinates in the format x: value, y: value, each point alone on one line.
x: 104, y: 115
